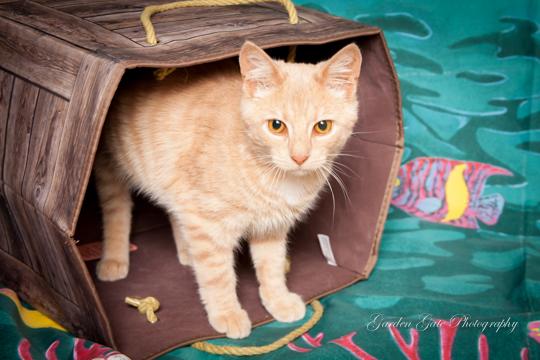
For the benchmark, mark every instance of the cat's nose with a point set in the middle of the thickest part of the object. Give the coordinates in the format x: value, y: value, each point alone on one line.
x: 299, y: 158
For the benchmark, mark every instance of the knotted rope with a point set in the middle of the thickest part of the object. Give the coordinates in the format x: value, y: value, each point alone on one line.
x: 146, y: 306
x: 258, y: 350
x: 148, y: 11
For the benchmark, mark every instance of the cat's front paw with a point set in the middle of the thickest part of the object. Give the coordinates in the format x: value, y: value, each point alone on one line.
x: 112, y: 270
x: 235, y: 324
x: 286, y: 307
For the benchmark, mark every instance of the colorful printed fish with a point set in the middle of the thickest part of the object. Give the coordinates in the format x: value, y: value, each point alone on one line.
x: 534, y: 330
x: 448, y: 191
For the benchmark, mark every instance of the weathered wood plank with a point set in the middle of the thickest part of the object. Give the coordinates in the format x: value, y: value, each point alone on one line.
x: 9, y: 239
x: 85, y: 9
x: 70, y: 28
x: 315, y: 28
x: 53, y: 255
x: 38, y: 58
x: 96, y: 83
x: 32, y: 288
x: 192, y: 51
x: 6, y: 87
x: 45, y: 246
x: 169, y: 33
x: 49, y: 120
x: 186, y: 18
x: 18, y: 132
x: 21, y: 225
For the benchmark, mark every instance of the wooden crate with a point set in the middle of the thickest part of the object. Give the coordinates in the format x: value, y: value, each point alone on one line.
x: 60, y: 65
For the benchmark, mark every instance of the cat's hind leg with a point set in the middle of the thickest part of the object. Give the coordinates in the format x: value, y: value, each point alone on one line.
x: 180, y: 241
x: 116, y: 206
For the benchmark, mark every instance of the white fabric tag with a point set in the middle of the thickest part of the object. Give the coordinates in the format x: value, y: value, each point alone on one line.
x: 326, y: 248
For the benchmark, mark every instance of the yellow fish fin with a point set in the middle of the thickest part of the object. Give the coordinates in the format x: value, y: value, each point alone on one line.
x: 457, y: 193
x: 31, y: 318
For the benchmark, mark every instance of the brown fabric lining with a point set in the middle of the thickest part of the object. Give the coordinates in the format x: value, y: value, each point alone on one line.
x: 370, y: 264
x: 154, y: 267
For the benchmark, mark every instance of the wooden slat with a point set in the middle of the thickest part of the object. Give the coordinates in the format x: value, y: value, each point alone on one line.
x: 222, y: 24
x: 96, y: 83
x: 216, y: 21
x: 6, y: 87
x: 49, y: 120
x: 9, y: 239
x: 184, y: 48
x: 81, y: 321
x: 189, y: 18
x: 34, y: 289
x: 40, y: 59
x: 54, y: 257
x: 18, y: 132
x: 86, y: 9
x: 168, y: 33
x: 217, y: 46
x: 64, y: 26
x: 45, y: 245
x: 23, y: 228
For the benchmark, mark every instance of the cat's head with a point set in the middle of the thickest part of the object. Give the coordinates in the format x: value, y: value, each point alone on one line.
x: 299, y: 116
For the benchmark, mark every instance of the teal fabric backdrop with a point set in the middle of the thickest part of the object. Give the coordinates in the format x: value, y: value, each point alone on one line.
x: 460, y: 287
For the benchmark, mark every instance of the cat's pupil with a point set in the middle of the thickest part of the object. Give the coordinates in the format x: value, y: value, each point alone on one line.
x: 276, y: 124
x: 323, y: 125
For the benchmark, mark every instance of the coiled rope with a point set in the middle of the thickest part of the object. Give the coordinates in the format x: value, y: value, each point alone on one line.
x: 258, y: 350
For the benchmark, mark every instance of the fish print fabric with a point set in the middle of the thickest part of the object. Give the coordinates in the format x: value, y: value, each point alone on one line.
x: 458, y: 274
x: 448, y: 191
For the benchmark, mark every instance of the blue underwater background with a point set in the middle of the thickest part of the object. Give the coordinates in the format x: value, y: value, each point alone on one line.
x: 470, y: 80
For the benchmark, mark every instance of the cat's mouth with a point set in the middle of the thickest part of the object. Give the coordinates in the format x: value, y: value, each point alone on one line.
x: 302, y: 172
x: 308, y: 168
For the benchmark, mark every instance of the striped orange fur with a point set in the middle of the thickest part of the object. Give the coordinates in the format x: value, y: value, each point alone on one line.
x: 201, y: 144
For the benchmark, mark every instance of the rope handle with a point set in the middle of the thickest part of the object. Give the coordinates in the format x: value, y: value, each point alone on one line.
x: 258, y: 350
x: 155, y: 9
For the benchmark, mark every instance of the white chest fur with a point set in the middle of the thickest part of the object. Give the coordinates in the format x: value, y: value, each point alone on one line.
x: 294, y: 191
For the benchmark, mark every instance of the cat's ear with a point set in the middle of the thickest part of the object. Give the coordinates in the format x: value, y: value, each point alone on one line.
x: 259, y: 71
x: 340, y: 73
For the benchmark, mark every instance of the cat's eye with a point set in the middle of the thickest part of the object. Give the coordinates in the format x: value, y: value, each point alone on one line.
x: 276, y: 126
x: 323, y: 127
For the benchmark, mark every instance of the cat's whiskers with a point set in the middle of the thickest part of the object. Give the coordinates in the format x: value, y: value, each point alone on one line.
x: 349, y: 155
x: 340, y: 182
x: 276, y: 178
x: 370, y: 132
x: 320, y: 173
x: 340, y: 171
x: 338, y: 164
x: 270, y: 174
x: 267, y: 170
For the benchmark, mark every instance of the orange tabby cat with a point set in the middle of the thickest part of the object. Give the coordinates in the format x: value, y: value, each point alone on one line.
x: 229, y: 154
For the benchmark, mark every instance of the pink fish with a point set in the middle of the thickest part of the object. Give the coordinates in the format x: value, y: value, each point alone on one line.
x: 534, y: 330
x: 448, y: 191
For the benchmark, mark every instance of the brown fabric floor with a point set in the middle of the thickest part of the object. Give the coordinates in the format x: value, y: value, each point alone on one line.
x: 155, y: 271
